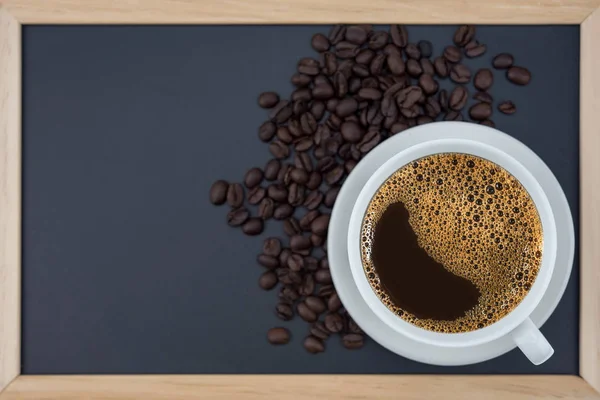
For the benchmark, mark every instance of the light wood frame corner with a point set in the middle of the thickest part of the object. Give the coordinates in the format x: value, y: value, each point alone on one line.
x: 15, y: 13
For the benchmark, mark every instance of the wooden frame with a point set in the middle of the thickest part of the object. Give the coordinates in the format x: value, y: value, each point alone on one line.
x: 14, y: 13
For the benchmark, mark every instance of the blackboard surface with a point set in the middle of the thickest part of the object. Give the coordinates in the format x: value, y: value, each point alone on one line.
x: 126, y: 266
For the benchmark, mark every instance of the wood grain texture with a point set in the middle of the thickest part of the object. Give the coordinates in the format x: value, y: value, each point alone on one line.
x: 300, y: 11
x: 589, y: 341
x: 287, y: 387
x: 10, y: 198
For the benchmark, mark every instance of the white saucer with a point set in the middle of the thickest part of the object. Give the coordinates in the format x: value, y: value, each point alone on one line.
x: 381, y: 332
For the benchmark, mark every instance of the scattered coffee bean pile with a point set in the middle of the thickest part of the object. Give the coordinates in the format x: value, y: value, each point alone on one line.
x: 365, y: 86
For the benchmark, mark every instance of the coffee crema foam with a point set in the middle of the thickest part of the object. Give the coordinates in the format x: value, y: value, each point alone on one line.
x: 473, y: 217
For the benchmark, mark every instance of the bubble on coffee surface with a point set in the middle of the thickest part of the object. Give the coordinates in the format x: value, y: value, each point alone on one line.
x: 473, y: 217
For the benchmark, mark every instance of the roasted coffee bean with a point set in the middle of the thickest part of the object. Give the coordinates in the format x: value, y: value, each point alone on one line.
x: 398, y: 127
x: 369, y: 94
x: 284, y: 311
x: 356, y: 34
x: 289, y: 277
x: 315, y: 304
x: 442, y: 69
x: 268, y: 280
x: 323, y: 91
x: 299, y: 242
x: 427, y: 66
x: 314, y: 180
x: 320, y: 43
x: 432, y: 107
x: 288, y: 294
x: 413, y: 67
x: 351, y: 131
x: 279, y: 149
x: 336, y: 34
x: 303, y: 143
x: 412, y: 51
x: 424, y: 119
x: 334, y: 175
x: 308, y: 66
x: 313, y: 345
x: 480, y: 111
x: 346, y: 50
x: 340, y: 83
x: 308, y: 218
x: 313, y: 200
x: 306, y: 313
x: 311, y: 264
x: 518, y: 75
x: 266, y: 208
x: 443, y: 99
x: 396, y: 64
x: 488, y: 122
x: 278, y: 336
x: 389, y: 107
x: 426, y: 48
x: 319, y: 331
x: 255, y: 195
x: 507, y: 107
x: 266, y: 131
x: 411, y: 112
x: 272, y: 247
x: 302, y: 162
x: 353, y: 326
x: 334, y: 322
x: 378, y: 40
x: 284, y: 256
x: 325, y: 290
x: 284, y: 174
x: 503, y: 61
x: 307, y: 287
x: 281, y: 112
x: 399, y: 35
x: 218, y: 192
x: 365, y: 56
x: 268, y: 99
x: 284, y: 135
x: 325, y: 164
x: 301, y: 80
x: 235, y: 195
x: 237, y: 217
x: 475, y: 49
x: 331, y: 196
x: 253, y: 226
x: 408, y: 97
x: 277, y: 192
x: 483, y: 79
x: 464, y: 34
x: 354, y: 85
x: 268, y: 261
x: 299, y: 99
x: 295, y: 262
x: 353, y: 341
x: 460, y: 73
x: 452, y: 54
x: 334, y: 303
x: 369, y: 141
x: 283, y: 211
x: 428, y: 84
x: 484, y: 97
x: 453, y: 116
x: 317, y: 240
x: 298, y: 175
x: 350, y: 165
x: 272, y: 169
x: 323, y: 276
x: 458, y: 98
x: 291, y: 227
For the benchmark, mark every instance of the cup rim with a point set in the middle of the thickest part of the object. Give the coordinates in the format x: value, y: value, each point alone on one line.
x: 481, y: 142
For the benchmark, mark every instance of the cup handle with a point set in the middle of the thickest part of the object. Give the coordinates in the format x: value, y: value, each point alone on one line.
x: 532, y: 343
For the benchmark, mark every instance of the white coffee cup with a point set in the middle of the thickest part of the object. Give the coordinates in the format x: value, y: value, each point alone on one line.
x: 517, y: 323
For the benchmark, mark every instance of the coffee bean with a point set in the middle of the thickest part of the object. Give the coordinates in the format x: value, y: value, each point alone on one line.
x: 443, y: 99
x: 412, y: 51
x: 235, y: 195
x: 432, y: 107
x: 507, y: 107
x: 301, y: 80
x: 483, y: 79
x: 303, y: 143
x: 278, y: 336
x: 464, y: 34
x: 354, y: 85
x: 323, y: 91
x: 237, y: 217
x: 308, y: 66
x: 475, y: 49
x: 266, y: 208
x: 353, y: 341
x: 334, y: 303
x: 326, y: 290
x: 323, y: 276
x: 299, y: 99
x: 289, y: 277
x: 424, y: 119
x: 268, y: 280
x: 218, y: 192
x: 353, y: 326
x: 369, y: 94
x: 334, y: 322
x: 408, y: 97
x: 334, y: 175
x: 316, y: 240
x: 389, y: 107
x: 272, y: 169
x: 284, y: 255
x: 317, y: 109
x: 279, y: 149
x: 503, y: 61
x: 281, y: 112
x: 291, y: 227
x: 284, y: 174
x: 277, y: 192
x: 452, y: 54
x: 266, y: 131
x: 396, y: 64
x: 369, y: 141
x: 268, y: 261
x: 253, y: 227
x: 356, y: 34
x: 284, y: 311
x: 283, y: 211
x: 307, y: 220
x: 428, y: 84
x: 518, y: 75
x: 315, y: 304
x: 299, y: 242
x: 460, y: 73
x: 319, y: 331
x: 320, y: 43
x: 426, y: 48
x: 307, y: 287
x: 442, y: 69
x: 378, y: 40
x: 458, y: 98
x: 313, y: 200
x: 325, y: 164
x: 488, y: 122
x: 345, y: 50
x: 351, y: 131
x: 272, y: 247
x: 313, y: 345
x: 268, y: 99
x: 314, y: 180
x: 453, y: 116
x: 398, y: 127
x: 303, y: 163
x: 306, y: 313
x: 336, y: 34
x: 365, y: 56
x: 331, y: 196
x: 399, y: 35
x: 413, y: 67
x: 255, y: 195
x: 295, y: 262
x: 480, y: 111
x: 484, y: 97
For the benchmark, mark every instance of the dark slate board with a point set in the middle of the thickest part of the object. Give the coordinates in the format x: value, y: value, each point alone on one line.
x: 128, y: 269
